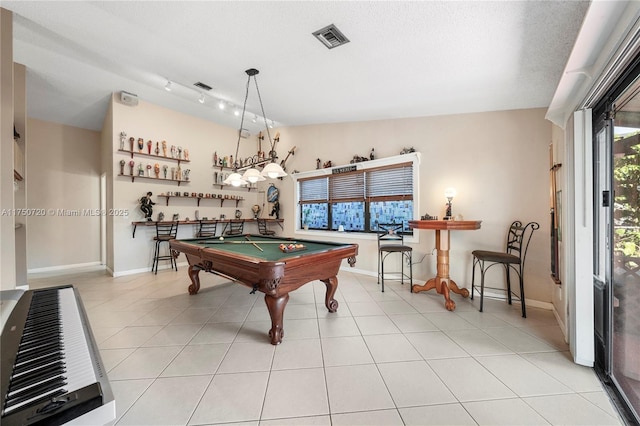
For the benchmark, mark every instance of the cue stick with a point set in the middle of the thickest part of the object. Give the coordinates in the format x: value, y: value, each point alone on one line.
x: 250, y: 242
x: 255, y: 245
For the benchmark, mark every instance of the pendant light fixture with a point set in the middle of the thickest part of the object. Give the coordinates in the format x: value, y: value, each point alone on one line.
x: 252, y: 175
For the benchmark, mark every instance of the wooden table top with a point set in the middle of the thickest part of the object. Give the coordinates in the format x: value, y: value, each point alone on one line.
x: 464, y: 225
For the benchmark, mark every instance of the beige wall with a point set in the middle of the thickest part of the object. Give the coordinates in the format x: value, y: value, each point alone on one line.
x: 63, y: 178
x: 7, y: 222
x: 201, y: 138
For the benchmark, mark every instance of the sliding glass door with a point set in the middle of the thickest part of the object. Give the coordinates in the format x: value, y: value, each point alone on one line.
x: 617, y: 242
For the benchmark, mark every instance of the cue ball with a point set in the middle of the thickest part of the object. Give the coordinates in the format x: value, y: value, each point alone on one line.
x: 221, y: 238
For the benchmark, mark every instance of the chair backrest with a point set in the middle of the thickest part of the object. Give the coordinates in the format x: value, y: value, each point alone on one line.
x: 390, y: 233
x: 207, y: 228
x: 235, y: 226
x: 166, y: 230
x: 262, y: 226
x: 518, y: 239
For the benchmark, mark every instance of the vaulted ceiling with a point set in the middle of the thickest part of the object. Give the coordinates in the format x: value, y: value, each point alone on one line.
x: 403, y: 58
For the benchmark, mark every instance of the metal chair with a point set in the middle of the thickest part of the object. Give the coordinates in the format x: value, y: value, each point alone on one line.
x: 165, y: 231
x: 207, y: 228
x: 391, y: 240
x: 263, y: 228
x: 513, y: 258
x: 236, y: 227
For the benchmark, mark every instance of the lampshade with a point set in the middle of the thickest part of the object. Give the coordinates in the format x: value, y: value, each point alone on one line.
x: 235, y: 179
x: 252, y: 176
x: 450, y: 193
x: 273, y: 170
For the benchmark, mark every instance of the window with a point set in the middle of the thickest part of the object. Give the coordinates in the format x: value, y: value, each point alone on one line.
x: 356, y: 198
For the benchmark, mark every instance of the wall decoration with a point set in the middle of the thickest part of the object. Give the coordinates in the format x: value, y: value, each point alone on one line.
x: 556, y: 234
x: 146, y: 205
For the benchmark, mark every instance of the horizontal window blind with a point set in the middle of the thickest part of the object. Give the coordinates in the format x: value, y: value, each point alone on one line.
x: 391, y: 182
x: 346, y: 187
x: 314, y: 190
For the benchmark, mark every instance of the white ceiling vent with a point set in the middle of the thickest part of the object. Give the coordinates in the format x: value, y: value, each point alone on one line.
x: 331, y: 36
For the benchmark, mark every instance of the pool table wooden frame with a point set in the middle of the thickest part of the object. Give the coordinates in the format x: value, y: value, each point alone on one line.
x: 276, y: 279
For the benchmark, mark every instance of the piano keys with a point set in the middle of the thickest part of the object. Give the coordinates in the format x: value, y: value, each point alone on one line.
x: 51, y: 371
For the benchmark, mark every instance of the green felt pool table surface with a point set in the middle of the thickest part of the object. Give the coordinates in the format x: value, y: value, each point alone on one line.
x: 267, y: 247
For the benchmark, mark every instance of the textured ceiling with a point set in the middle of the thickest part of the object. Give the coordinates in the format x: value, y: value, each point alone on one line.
x: 404, y: 59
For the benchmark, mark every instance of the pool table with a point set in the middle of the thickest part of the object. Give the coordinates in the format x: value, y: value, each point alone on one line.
x: 258, y: 262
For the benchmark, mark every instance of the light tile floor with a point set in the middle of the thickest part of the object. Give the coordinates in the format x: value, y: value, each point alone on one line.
x: 392, y: 358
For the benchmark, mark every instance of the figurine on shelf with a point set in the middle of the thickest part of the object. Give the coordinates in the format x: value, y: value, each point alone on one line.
x: 123, y: 138
x: 140, y: 144
x: 149, y: 145
x: 231, y: 161
x: 164, y: 148
x: 156, y: 170
x: 407, y: 150
x: 186, y: 174
x: 372, y: 154
x: 140, y: 170
x: 164, y: 170
x: 256, y: 211
x: 160, y: 217
x: 157, y: 148
x: 146, y: 205
x: 180, y: 152
x: 173, y: 151
x: 225, y: 161
x: 122, y: 163
x: 149, y: 170
x: 132, y: 141
x: 173, y: 173
x: 317, y: 163
x: 327, y: 164
x: 215, y: 158
x: 131, y: 164
x: 275, y: 210
x: 179, y: 173
x: 186, y: 154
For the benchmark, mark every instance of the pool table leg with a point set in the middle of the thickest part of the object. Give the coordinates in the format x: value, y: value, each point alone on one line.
x: 329, y: 301
x: 276, y: 305
x: 194, y: 270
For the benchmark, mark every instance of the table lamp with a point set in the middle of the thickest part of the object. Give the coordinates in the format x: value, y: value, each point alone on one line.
x: 449, y: 193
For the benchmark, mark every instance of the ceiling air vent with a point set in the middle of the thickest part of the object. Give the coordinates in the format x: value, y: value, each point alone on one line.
x: 331, y: 36
x: 203, y: 86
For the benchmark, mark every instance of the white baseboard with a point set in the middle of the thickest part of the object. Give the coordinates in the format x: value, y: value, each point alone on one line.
x: 142, y: 270
x: 65, y: 267
x: 563, y: 326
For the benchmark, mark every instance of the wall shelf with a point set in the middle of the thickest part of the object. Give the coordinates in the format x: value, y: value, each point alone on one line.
x: 159, y: 157
x: 134, y: 177
x: 222, y: 200
x: 223, y: 186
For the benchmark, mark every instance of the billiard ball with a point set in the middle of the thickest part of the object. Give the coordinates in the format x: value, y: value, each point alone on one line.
x: 221, y: 238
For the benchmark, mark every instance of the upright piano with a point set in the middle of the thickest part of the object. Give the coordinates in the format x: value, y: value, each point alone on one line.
x: 50, y: 368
